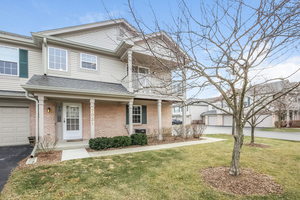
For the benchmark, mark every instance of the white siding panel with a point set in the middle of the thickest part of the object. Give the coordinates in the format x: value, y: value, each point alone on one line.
x: 13, y: 83
x: 104, y: 38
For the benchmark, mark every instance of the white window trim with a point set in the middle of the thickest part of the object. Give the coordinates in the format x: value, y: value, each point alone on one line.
x: 177, y: 111
x: 139, y: 69
x: 141, y: 114
x: 66, y: 59
x: 9, y: 61
x: 88, y: 68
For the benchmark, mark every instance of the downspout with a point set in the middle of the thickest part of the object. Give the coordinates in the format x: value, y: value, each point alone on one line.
x: 45, y: 60
x: 36, y: 123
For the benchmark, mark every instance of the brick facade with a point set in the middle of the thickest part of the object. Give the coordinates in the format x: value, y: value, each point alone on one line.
x: 49, y: 120
x: 32, y: 116
x: 110, y: 119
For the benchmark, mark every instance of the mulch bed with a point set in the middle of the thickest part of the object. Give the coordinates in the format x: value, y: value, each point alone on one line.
x: 154, y: 142
x: 247, y: 183
x: 257, y: 145
x: 42, y: 159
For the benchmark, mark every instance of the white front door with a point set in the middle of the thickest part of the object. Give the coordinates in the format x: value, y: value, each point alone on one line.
x: 72, y: 121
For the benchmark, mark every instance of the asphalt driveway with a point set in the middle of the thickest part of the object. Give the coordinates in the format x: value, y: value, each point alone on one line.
x: 9, y: 158
x: 293, y: 136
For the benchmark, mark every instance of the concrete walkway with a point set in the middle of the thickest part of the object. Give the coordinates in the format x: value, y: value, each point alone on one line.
x: 79, y: 153
x: 72, y: 154
x: 293, y: 136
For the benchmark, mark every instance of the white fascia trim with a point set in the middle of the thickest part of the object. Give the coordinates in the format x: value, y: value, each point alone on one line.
x: 74, y: 91
x: 87, y: 26
x: 17, y: 40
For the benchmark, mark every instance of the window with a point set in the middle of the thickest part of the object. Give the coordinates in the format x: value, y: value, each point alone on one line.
x: 136, y: 114
x: 176, y: 109
x: 9, y: 60
x: 57, y: 59
x: 140, y: 77
x: 88, y: 61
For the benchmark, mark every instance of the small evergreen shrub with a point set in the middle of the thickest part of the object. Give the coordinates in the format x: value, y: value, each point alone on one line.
x: 103, y: 143
x: 139, y: 139
x: 121, y: 141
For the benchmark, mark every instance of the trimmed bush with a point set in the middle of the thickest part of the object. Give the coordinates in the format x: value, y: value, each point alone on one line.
x: 139, y: 139
x: 121, y: 141
x: 102, y: 143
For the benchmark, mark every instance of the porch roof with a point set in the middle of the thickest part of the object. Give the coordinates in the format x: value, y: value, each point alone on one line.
x: 53, y: 83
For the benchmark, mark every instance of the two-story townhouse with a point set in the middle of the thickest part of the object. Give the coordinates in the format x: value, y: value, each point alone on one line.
x: 78, y: 83
x: 215, y: 117
x: 193, y: 112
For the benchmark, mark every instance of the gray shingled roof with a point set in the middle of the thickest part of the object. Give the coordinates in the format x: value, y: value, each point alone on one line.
x: 210, y: 112
x: 15, y: 35
x: 70, y: 83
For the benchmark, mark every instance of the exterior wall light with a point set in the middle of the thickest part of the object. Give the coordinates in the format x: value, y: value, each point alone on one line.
x: 48, y: 109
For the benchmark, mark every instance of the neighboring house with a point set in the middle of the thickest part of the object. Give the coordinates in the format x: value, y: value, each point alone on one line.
x: 215, y: 117
x: 83, y: 78
x: 193, y: 112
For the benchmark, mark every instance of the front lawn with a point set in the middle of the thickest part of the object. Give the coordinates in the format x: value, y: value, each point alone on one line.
x: 281, y: 129
x: 163, y: 174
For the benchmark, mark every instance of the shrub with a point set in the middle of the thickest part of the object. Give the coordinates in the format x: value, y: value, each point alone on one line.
x: 47, y: 145
x: 295, y: 123
x: 197, y: 130
x: 139, y: 139
x: 102, y: 143
x: 121, y: 141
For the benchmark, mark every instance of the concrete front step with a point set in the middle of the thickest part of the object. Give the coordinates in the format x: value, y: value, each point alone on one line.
x: 63, y: 145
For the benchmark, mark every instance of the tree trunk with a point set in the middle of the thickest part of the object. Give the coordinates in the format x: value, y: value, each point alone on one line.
x: 233, y: 126
x: 279, y: 121
x: 252, y: 134
x: 238, y: 142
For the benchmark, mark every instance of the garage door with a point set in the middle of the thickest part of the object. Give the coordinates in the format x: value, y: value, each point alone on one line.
x: 14, y: 126
x: 212, y: 120
x: 227, y: 120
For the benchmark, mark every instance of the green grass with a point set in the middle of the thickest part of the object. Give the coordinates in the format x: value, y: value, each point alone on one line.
x: 281, y: 129
x: 163, y: 174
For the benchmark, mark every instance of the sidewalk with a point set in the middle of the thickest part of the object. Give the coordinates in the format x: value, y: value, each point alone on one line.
x: 70, y: 155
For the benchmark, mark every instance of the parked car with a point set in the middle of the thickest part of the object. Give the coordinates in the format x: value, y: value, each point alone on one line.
x: 176, y: 122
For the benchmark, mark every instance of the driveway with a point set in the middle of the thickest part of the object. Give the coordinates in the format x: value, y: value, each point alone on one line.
x: 9, y: 158
x: 258, y: 133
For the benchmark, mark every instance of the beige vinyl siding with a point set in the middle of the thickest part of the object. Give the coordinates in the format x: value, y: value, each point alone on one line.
x: 104, y: 38
x: 109, y: 69
x: 13, y: 83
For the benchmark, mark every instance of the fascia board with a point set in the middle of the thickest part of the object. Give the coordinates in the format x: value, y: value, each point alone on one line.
x: 17, y: 40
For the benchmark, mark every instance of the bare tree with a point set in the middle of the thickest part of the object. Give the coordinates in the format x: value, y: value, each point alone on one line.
x: 225, y: 46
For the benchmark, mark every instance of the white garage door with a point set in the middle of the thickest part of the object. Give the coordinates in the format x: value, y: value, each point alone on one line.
x: 212, y: 120
x: 227, y: 120
x: 14, y: 126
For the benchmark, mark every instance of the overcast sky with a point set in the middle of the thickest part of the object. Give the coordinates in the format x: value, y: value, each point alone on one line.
x: 25, y: 16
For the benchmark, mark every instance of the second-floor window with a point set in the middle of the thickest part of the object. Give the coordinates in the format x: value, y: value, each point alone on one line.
x: 9, y: 60
x: 88, y: 61
x: 57, y: 59
x: 176, y: 109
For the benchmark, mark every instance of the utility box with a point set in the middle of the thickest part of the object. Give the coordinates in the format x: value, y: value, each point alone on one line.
x: 140, y: 131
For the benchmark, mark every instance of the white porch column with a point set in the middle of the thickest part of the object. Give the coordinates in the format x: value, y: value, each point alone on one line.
x: 130, y: 116
x: 92, y: 119
x: 41, y: 116
x: 159, y: 137
x: 129, y: 53
x: 293, y: 115
x: 287, y: 118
